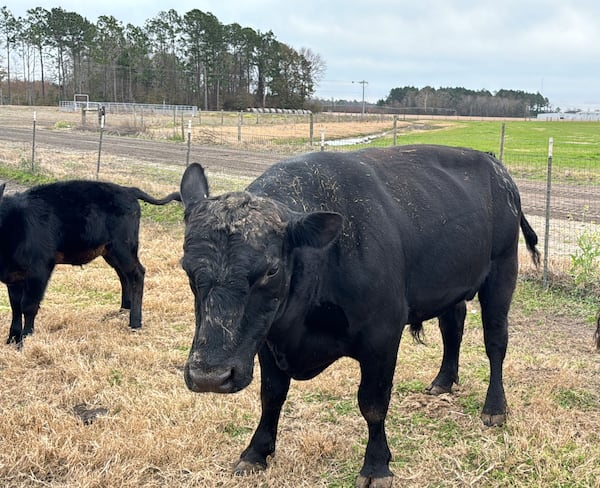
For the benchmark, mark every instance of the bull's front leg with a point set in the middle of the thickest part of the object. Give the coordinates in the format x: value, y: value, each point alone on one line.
x: 15, y: 295
x: 373, y: 399
x: 274, y: 388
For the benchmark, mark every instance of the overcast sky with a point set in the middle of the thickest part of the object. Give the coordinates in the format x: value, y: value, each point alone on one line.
x: 550, y: 46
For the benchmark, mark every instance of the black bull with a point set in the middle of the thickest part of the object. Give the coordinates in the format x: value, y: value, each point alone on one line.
x: 69, y: 222
x: 328, y: 255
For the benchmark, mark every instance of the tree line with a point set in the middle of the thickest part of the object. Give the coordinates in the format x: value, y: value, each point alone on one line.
x: 462, y: 101
x: 189, y: 59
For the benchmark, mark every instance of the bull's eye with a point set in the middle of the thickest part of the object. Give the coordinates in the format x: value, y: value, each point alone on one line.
x: 272, y: 271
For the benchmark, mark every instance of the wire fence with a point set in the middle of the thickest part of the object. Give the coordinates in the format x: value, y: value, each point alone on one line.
x: 560, y: 191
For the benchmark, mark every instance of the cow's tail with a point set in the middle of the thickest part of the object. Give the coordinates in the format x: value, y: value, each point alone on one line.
x: 531, y: 240
x: 141, y: 195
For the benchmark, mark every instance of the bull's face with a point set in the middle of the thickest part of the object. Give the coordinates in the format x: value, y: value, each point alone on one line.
x: 237, y: 255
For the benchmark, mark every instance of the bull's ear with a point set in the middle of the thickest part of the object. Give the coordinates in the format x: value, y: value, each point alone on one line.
x: 194, y: 185
x: 316, y: 229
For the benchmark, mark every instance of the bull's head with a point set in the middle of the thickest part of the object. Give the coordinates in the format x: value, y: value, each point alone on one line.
x: 237, y: 254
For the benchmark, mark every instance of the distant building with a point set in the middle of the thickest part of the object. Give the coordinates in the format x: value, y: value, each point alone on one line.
x: 585, y: 116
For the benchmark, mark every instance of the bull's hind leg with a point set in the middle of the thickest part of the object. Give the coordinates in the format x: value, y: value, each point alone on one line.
x: 495, y: 296
x: 131, y: 275
x: 451, y: 324
x: 125, y: 290
x: 25, y: 299
x: 15, y: 295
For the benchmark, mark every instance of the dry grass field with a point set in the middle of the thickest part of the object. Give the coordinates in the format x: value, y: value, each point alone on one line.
x: 206, y: 127
x: 151, y: 431
x: 87, y: 403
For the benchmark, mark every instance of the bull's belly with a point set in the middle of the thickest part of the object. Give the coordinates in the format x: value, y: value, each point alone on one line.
x: 432, y: 302
x: 79, y: 257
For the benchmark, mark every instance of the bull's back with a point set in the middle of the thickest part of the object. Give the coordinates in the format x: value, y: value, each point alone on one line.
x: 404, y: 184
x: 84, y: 215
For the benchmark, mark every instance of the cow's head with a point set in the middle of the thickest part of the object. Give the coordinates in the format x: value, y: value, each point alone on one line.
x: 237, y: 254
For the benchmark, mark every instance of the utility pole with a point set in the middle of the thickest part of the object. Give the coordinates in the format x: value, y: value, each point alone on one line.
x: 363, y: 83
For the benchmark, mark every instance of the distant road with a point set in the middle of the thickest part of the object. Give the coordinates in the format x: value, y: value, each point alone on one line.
x: 232, y: 161
x: 568, y: 200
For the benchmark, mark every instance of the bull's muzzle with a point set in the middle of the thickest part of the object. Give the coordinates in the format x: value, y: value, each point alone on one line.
x: 216, y: 381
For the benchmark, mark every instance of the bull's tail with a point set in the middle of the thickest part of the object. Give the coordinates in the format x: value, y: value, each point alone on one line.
x: 141, y: 195
x: 531, y: 240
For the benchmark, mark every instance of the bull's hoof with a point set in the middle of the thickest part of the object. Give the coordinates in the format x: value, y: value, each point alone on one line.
x: 366, y: 482
x: 243, y: 467
x: 16, y: 340
x: 437, y: 389
x: 493, y: 420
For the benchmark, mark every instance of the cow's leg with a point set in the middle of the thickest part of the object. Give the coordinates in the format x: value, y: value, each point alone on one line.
x: 451, y: 324
x: 495, y: 296
x: 125, y: 286
x: 25, y: 299
x: 131, y: 275
x: 273, y: 392
x: 15, y: 295
x: 377, y: 371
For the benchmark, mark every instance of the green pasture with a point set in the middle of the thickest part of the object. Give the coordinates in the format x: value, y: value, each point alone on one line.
x: 575, y: 148
x: 573, y: 141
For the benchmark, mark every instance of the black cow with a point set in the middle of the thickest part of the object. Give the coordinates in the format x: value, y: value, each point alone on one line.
x: 70, y: 222
x: 331, y: 254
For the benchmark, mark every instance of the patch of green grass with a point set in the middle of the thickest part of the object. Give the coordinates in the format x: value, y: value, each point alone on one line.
x: 575, y: 399
x: 24, y: 177
x: 576, y: 145
x: 62, y: 124
x: 171, y: 213
x: 334, y: 407
x: 410, y: 386
x: 235, y: 430
x: 115, y: 377
x: 471, y: 404
x: 585, y: 260
x: 531, y: 297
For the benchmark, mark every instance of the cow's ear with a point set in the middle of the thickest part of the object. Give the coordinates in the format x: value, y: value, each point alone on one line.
x: 316, y: 229
x: 2, y: 187
x: 194, y: 185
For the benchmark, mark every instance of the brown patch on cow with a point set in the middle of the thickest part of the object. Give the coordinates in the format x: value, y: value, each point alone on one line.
x: 79, y: 258
x: 15, y: 277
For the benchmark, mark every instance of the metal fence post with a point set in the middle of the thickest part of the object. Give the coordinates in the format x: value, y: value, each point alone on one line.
x: 547, y: 228
x: 189, y: 142
x: 395, y: 130
x: 311, y: 129
x: 239, y: 127
x: 33, y: 143
x: 502, y: 142
x: 100, y: 145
